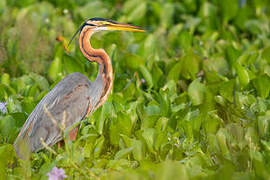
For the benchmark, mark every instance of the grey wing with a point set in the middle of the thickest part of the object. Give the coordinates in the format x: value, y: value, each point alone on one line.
x: 72, y: 95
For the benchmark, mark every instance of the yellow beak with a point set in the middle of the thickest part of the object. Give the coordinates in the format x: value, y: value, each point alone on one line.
x: 124, y: 27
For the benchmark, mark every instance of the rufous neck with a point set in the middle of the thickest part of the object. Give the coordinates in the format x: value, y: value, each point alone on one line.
x: 102, y: 58
x: 95, y: 55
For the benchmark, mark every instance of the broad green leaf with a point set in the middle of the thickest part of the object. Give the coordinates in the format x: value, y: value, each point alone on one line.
x: 70, y: 65
x: 138, y: 152
x: 263, y: 125
x: 138, y: 12
x: 226, y: 90
x: 99, y: 146
x: 93, y: 9
x: 56, y: 65
x: 191, y: 65
x: 266, y: 54
x: 3, y: 5
x: 185, y: 41
x: 262, y: 85
x: 129, y: 5
x: 5, y: 79
x: 147, y: 76
x: 150, y: 46
x: 196, y: 92
x: 123, y: 153
x: 7, y: 156
x: 7, y: 128
x: 212, y: 122
x: 222, y: 140
x: 228, y: 9
x: 172, y: 170
x: 162, y: 124
x: 242, y: 75
x: 41, y: 81
x: 161, y: 140
x: 175, y: 71
x: 166, y: 15
x: 133, y: 61
x: 157, y: 74
x: 149, y: 136
x: 120, y: 125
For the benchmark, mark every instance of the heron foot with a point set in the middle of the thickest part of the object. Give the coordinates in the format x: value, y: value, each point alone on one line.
x: 60, y: 144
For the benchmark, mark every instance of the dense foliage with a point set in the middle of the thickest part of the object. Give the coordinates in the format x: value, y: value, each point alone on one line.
x: 190, y: 97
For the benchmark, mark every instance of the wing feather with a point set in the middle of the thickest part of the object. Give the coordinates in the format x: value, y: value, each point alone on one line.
x: 71, y: 95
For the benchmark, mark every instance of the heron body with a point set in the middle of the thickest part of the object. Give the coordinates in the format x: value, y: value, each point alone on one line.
x: 74, y: 95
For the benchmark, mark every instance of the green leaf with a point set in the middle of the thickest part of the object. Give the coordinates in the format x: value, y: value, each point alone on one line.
x: 191, y: 65
x: 149, y: 136
x: 196, y: 92
x: 185, y: 41
x: 123, y: 153
x: 166, y: 16
x: 99, y: 146
x: 264, y: 125
x: 71, y: 65
x: 226, y: 90
x: 175, y: 71
x: 7, y: 156
x: 228, y: 9
x: 5, y: 79
x: 138, y: 12
x: 212, y: 122
x: 120, y: 125
x: 157, y: 74
x: 266, y: 54
x: 41, y: 82
x: 147, y: 76
x: 162, y: 123
x: 56, y: 66
x: 93, y: 9
x: 7, y: 128
x: 222, y: 140
x: 242, y: 75
x: 262, y: 85
x: 138, y: 153
x: 133, y: 61
x: 129, y: 5
x: 105, y: 111
x: 2, y: 6
x: 150, y: 46
x: 172, y: 170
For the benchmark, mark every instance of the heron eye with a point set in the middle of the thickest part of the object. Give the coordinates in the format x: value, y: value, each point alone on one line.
x: 102, y: 25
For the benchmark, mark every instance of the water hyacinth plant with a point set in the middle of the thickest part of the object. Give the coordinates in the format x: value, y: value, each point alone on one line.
x: 190, y: 98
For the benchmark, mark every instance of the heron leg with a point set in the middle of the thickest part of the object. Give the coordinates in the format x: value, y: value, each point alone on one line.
x: 72, y: 134
x: 60, y: 144
x: 88, y: 110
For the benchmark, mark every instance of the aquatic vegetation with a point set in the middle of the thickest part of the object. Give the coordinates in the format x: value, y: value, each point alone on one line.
x: 190, y: 98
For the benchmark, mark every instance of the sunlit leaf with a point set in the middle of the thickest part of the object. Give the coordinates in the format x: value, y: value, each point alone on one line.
x: 262, y: 85
x: 196, y: 92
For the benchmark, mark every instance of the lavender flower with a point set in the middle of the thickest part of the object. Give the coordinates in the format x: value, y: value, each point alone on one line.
x: 143, y: 80
x: 57, y: 174
x: 3, y: 107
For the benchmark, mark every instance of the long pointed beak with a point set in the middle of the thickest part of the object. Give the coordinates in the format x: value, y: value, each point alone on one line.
x: 124, y: 27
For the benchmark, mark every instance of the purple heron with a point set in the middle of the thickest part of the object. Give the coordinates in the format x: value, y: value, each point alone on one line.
x: 75, y: 94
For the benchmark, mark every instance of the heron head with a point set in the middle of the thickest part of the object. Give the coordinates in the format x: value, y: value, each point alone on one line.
x: 101, y: 24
